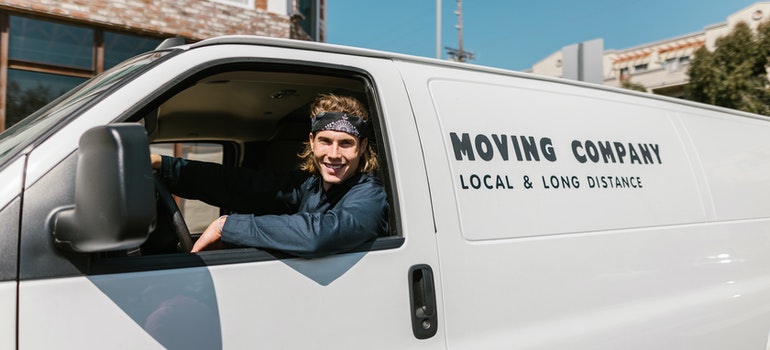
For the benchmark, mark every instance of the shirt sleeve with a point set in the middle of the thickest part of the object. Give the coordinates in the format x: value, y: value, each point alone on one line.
x: 237, y: 189
x: 359, y: 217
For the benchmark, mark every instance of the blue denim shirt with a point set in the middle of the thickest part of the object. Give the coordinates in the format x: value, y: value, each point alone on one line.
x: 287, y: 212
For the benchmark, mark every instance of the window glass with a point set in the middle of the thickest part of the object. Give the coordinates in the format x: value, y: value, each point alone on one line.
x: 197, y: 215
x: 119, y: 47
x: 29, y: 91
x: 51, y: 43
x: 55, y: 113
x: 308, y: 8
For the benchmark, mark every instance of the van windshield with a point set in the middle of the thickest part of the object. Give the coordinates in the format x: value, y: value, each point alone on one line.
x: 39, y: 123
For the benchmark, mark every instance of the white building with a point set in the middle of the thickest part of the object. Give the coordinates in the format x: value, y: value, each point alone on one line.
x: 661, y: 67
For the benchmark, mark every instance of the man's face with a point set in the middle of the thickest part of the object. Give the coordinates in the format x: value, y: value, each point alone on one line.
x: 337, y: 155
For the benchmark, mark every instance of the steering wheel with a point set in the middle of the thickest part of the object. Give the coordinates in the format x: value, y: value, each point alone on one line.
x: 180, y: 226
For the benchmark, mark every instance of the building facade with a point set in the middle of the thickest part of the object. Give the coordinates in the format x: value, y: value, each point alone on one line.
x: 661, y: 67
x: 49, y: 46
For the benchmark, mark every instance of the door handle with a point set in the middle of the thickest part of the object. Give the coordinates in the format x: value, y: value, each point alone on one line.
x: 422, y: 297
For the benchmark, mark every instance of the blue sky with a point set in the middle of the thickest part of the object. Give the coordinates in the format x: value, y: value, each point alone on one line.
x: 515, y: 34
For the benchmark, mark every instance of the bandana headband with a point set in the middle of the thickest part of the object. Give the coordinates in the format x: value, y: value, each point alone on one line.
x: 339, y: 121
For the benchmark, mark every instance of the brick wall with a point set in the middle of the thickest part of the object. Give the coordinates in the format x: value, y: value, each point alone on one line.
x: 193, y: 19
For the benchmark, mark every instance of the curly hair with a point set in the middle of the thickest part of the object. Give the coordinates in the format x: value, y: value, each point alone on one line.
x: 346, y: 104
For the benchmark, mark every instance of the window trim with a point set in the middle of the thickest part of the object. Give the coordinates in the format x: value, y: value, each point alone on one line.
x: 112, y: 265
x: 250, y: 4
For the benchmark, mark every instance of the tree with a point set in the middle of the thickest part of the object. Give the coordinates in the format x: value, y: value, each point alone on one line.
x: 735, y: 74
x: 627, y: 84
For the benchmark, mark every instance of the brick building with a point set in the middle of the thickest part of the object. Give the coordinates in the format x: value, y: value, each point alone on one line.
x: 49, y: 46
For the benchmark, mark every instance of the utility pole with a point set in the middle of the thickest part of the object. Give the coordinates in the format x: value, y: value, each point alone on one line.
x: 459, y: 54
x: 438, y: 29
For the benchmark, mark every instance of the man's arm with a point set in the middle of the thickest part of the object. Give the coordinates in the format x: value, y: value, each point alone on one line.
x: 360, y: 216
x: 238, y: 189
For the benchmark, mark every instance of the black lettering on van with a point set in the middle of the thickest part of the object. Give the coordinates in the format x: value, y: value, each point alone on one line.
x: 606, y: 150
x: 516, y: 147
x: 620, y: 150
x: 462, y: 146
x: 592, y: 151
x: 634, y: 157
x: 579, y: 157
x: 484, y: 147
x: 645, y: 151
x: 530, y: 148
x: 501, y: 141
x: 548, y: 151
x: 657, y: 153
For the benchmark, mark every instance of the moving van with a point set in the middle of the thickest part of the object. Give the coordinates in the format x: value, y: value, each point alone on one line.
x: 526, y: 212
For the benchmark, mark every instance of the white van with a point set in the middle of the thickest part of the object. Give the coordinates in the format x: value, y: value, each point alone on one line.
x: 526, y: 212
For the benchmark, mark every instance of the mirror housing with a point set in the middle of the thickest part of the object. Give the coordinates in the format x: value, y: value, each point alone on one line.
x: 114, y: 193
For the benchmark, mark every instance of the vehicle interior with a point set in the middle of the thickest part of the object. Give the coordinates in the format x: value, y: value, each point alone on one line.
x: 252, y: 116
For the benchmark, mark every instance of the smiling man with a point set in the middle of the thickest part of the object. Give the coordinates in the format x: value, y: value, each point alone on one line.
x: 333, y: 204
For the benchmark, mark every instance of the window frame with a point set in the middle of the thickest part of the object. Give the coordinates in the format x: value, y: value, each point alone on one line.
x: 250, y: 4
x: 101, y: 264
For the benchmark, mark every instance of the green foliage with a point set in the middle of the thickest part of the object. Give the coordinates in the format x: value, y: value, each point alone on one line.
x: 734, y: 75
x: 627, y: 84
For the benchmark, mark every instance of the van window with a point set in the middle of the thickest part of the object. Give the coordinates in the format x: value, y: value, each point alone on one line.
x: 197, y: 214
x: 255, y: 117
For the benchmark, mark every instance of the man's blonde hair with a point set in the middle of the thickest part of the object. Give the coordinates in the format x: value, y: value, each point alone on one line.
x: 345, y: 104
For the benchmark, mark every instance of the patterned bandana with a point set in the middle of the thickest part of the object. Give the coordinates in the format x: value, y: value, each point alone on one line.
x: 339, y: 121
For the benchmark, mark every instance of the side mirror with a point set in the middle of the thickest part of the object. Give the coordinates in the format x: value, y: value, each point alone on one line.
x: 114, y: 193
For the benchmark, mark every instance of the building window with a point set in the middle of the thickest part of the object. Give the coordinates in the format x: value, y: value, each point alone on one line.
x: 50, y: 43
x: 119, y: 47
x: 684, y: 60
x: 28, y: 91
x: 46, y: 59
x: 240, y: 3
x: 309, y: 10
x: 624, y: 74
x: 640, y: 67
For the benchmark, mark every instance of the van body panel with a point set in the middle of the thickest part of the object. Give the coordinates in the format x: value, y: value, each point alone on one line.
x: 9, y: 240
x: 57, y: 306
x: 599, y: 164
x: 267, y: 304
x: 8, y: 315
x: 732, y: 151
x: 11, y: 178
x: 565, y: 264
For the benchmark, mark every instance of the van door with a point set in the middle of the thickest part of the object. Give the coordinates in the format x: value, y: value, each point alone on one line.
x: 236, y: 298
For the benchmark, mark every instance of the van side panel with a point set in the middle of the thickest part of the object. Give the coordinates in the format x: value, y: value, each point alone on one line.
x: 574, y: 264
x: 10, y: 201
x: 10, y: 193
x: 8, y: 315
x: 546, y: 153
x: 9, y: 245
x: 733, y: 153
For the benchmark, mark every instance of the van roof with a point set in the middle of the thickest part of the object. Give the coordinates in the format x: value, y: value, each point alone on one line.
x: 348, y: 50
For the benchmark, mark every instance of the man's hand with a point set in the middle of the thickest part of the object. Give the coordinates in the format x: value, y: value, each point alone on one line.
x: 211, y: 238
x: 155, y: 160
